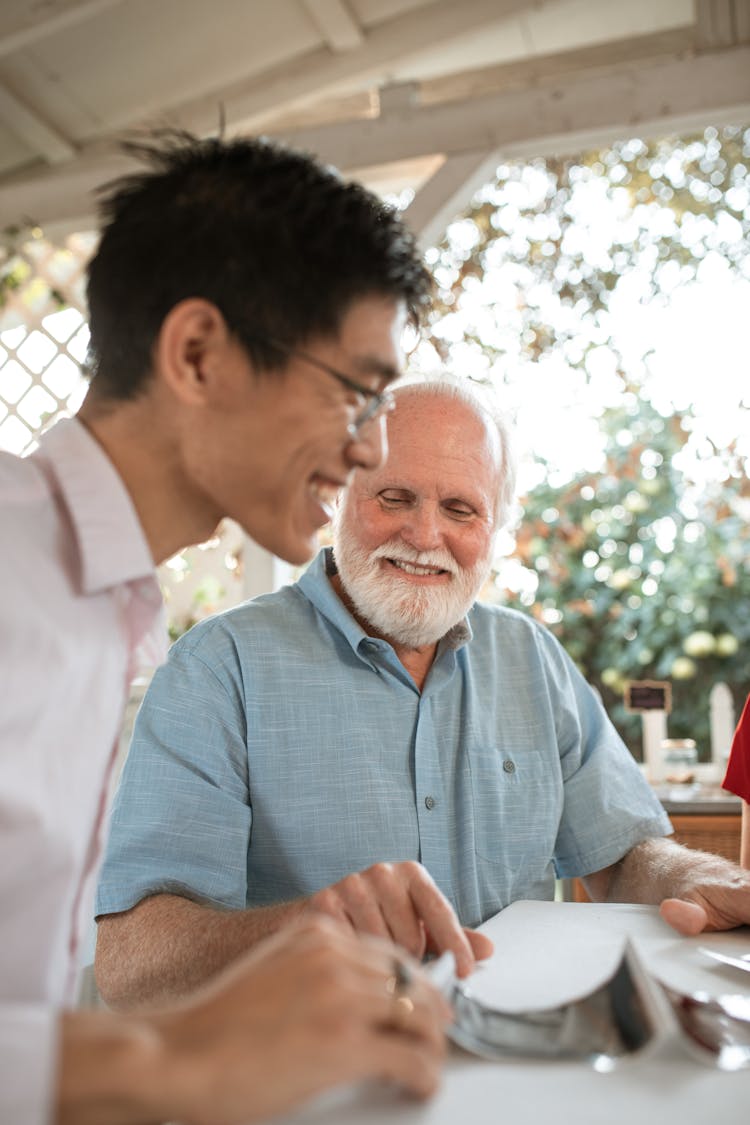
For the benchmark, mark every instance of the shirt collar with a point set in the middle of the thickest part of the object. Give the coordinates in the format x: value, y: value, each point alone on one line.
x: 316, y: 586
x: 111, y: 542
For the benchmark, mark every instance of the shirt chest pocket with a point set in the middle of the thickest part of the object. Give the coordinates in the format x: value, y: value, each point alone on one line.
x: 517, y: 804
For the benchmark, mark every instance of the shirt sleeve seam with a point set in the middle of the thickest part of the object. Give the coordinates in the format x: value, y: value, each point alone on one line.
x: 614, y: 850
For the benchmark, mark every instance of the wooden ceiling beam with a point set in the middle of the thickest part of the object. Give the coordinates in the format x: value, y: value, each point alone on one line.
x: 563, y: 115
x: 42, y: 20
x: 336, y: 24
x: 447, y: 193
x: 33, y: 130
x: 722, y: 23
x: 572, y: 112
x: 320, y: 71
x: 742, y: 20
x: 543, y: 69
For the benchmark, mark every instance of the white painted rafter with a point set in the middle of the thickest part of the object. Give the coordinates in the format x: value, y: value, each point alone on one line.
x: 714, y: 21
x: 722, y: 23
x: 336, y: 23
x: 742, y: 20
x: 33, y: 130
x: 321, y: 70
x: 573, y: 111
x: 42, y: 20
x: 448, y: 192
x: 543, y: 105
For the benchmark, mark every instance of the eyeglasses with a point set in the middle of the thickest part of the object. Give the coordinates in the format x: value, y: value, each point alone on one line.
x: 376, y: 402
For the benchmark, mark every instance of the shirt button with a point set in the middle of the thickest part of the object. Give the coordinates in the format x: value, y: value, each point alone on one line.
x: 508, y: 766
x: 429, y: 802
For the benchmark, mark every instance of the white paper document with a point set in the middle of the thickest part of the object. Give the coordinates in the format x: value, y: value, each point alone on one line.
x: 547, y: 953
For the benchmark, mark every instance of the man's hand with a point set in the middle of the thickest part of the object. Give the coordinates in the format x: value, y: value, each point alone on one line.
x: 695, y: 891
x: 401, y: 901
x: 310, y: 1008
x: 719, y: 903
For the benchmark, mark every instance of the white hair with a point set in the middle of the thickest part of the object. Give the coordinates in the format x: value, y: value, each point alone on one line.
x: 481, y: 399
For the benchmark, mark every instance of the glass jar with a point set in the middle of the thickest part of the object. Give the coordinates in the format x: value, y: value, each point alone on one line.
x: 679, y: 758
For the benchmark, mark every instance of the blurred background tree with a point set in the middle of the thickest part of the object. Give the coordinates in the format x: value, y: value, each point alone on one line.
x: 634, y: 543
x: 642, y: 573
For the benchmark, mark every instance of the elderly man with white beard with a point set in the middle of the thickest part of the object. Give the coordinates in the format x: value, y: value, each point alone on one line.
x: 375, y: 744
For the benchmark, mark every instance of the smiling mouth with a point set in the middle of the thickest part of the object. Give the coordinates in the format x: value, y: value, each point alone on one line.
x: 417, y: 570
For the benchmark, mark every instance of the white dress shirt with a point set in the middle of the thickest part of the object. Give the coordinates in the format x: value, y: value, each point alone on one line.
x: 80, y: 611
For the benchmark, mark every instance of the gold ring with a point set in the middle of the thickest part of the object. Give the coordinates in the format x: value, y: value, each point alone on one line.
x: 403, y: 1007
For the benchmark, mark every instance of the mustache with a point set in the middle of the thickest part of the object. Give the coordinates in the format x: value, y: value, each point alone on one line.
x: 394, y: 549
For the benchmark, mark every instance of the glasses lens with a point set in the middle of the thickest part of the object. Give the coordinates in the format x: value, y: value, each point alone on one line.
x: 378, y: 404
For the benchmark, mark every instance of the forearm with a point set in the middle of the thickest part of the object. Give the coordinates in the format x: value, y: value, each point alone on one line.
x: 306, y: 1010
x: 655, y: 870
x: 745, y: 840
x: 167, y: 945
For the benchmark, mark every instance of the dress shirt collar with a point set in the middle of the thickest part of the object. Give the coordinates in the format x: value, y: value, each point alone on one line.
x: 315, y: 584
x: 111, y: 543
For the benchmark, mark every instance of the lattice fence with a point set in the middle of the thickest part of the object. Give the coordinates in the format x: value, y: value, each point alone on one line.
x: 43, y: 336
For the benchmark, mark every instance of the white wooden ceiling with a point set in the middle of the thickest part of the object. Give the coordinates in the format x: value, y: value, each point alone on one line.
x: 427, y: 92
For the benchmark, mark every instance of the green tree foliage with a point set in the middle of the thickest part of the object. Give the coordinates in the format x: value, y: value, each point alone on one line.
x: 642, y: 566
x: 16, y: 268
x: 641, y: 573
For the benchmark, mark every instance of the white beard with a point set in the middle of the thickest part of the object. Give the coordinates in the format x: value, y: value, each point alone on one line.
x: 397, y: 609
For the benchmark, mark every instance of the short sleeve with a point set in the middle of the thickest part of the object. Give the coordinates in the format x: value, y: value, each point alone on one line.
x: 181, y: 817
x: 608, y: 806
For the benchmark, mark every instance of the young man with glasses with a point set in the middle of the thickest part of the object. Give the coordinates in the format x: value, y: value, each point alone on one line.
x: 191, y: 416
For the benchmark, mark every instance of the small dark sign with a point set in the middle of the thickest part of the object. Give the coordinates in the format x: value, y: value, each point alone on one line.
x: 648, y: 695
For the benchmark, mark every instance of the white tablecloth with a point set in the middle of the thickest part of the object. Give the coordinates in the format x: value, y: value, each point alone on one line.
x: 545, y: 954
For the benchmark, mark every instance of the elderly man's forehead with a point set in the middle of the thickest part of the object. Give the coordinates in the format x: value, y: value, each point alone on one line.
x: 422, y: 408
x: 439, y: 444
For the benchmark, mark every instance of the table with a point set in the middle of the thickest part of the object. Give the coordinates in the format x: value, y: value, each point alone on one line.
x: 706, y: 817
x: 549, y: 953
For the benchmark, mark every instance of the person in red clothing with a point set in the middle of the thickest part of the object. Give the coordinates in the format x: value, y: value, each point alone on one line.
x: 737, y: 779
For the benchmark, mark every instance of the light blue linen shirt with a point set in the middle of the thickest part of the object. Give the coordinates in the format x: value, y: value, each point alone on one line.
x: 281, y: 748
